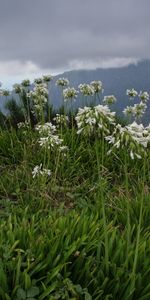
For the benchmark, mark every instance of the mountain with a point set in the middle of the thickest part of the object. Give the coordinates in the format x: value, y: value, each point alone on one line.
x: 115, y: 81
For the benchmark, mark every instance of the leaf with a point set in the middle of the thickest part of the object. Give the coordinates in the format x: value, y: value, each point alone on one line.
x: 33, y: 291
x: 88, y: 296
x: 21, y: 294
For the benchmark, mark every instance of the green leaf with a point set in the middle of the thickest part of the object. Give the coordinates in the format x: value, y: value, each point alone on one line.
x: 21, y: 294
x: 88, y: 296
x: 33, y: 291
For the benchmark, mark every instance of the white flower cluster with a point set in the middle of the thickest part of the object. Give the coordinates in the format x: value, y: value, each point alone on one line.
x: 48, y: 137
x: 5, y: 93
x: 86, y: 89
x: 44, y: 79
x: 38, y: 80
x: 133, y: 138
x: 17, y: 88
x: 46, y: 128
x: 50, y: 141
x: 70, y: 94
x: 62, y: 82
x: 25, y: 83
x: 137, y: 110
x: 131, y: 93
x: 94, y: 119
x: 39, y: 171
x: 97, y: 85
x: 144, y: 96
x: 39, y: 96
x: 111, y: 99
x: 47, y: 78
x: 61, y: 119
x: 24, y: 125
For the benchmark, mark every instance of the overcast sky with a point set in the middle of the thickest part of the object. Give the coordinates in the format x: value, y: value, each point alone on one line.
x: 52, y: 36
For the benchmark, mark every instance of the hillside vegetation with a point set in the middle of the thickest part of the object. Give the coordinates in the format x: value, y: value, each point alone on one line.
x: 74, y: 196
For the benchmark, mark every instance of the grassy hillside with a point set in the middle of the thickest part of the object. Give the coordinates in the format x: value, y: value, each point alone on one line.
x: 74, y: 200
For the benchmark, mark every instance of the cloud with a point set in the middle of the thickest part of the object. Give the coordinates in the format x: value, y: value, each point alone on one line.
x: 51, y: 36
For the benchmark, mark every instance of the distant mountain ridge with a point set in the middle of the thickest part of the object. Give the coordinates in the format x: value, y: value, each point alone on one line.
x: 115, y: 81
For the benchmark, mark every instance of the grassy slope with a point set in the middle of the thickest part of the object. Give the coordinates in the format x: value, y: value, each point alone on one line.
x: 67, y: 236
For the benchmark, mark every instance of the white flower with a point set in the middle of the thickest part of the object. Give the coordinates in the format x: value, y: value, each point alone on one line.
x: 62, y: 82
x: 109, y: 99
x: 46, y: 129
x: 133, y: 138
x: 139, y: 109
x: 39, y: 95
x: 24, y: 125
x: 5, y: 93
x: 25, y: 83
x: 128, y: 110
x: 17, y: 88
x: 38, y: 81
x: 70, y: 93
x: 131, y: 154
x: 47, y: 78
x: 131, y: 93
x: 50, y: 141
x: 94, y: 119
x: 86, y: 89
x: 61, y: 119
x: 97, y: 85
x: 38, y: 171
x: 144, y: 96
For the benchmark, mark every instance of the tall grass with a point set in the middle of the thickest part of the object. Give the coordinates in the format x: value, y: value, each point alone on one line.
x: 74, y: 221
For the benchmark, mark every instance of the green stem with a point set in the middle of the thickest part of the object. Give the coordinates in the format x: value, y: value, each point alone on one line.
x: 127, y: 199
x: 140, y: 221
x: 101, y: 194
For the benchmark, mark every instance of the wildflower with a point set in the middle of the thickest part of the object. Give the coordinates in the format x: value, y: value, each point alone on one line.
x: 133, y: 138
x: 47, y: 78
x: 109, y: 99
x: 61, y: 119
x: 62, y: 82
x: 17, y: 88
x: 128, y: 110
x: 39, y: 171
x: 94, y: 119
x: 39, y: 96
x: 70, y: 93
x: 86, y: 89
x: 131, y: 93
x: 48, y: 137
x: 144, y: 96
x: 25, y: 83
x: 50, y: 141
x: 24, y: 125
x: 5, y: 93
x: 97, y: 85
x: 45, y: 129
x: 38, y: 81
x: 139, y: 109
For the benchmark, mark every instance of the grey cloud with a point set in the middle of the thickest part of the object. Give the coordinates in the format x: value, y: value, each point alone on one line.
x: 53, y: 33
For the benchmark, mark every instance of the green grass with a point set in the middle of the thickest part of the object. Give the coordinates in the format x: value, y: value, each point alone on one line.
x: 83, y: 232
